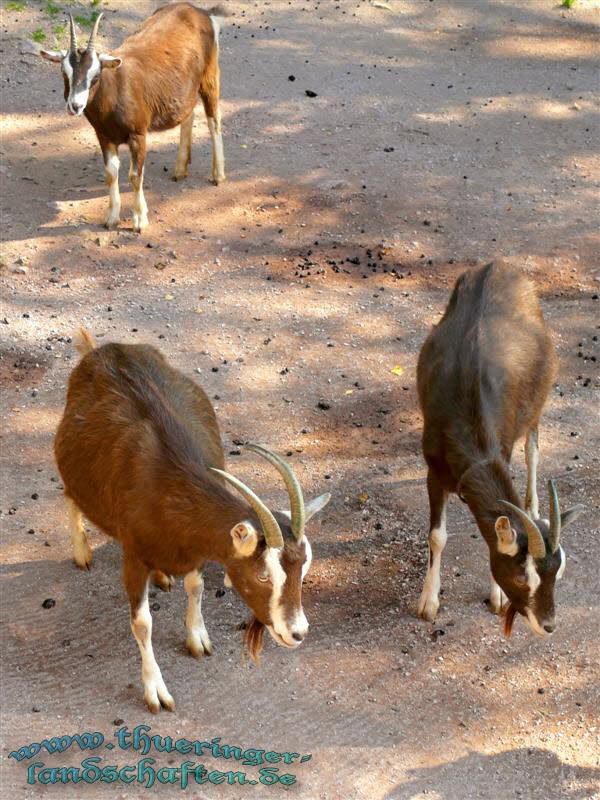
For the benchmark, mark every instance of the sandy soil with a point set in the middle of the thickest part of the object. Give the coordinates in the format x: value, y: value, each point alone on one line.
x: 443, y: 133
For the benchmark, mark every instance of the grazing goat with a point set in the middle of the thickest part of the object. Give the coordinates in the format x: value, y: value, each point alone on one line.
x: 483, y: 376
x: 151, y: 84
x: 139, y: 451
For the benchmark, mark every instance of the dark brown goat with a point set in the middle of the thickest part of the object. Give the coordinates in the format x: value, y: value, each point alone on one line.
x: 483, y: 377
x: 151, y: 83
x: 139, y: 451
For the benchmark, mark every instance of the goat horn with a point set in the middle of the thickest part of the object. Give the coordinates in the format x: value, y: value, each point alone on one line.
x: 535, y: 540
x: 73, y: 45
x: 292, y: 485
x: 92, y: 42
x: 555, y: 521
x: 270, y: 526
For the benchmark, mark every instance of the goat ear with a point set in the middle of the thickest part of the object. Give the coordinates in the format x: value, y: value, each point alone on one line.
x: 317, y: 504
x: 570, y: 515
x: 53, y: 55
x: 507, y: 538
x: 111, y: 62
x: 244, y: 538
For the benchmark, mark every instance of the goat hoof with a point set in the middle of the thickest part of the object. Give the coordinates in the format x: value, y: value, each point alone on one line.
x: 428, y: 609
x: 159, y: 698
x: 178, y: 176
x: 217, y: 179
x: 138, y: 227
x: 110, y: 223
x: 83, y: 558
x: 199, y: 648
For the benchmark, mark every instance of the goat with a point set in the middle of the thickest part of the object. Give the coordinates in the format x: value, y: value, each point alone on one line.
x: 139, y: 452
x: 483, y: 377
x: 151, y: 84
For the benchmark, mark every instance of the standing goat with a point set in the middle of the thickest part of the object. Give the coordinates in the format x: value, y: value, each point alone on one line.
x: 483, y: 376
x: 139, y: 451
x: 151, y: 84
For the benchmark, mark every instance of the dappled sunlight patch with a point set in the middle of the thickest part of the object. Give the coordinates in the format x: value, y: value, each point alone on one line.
x: 541, y: 46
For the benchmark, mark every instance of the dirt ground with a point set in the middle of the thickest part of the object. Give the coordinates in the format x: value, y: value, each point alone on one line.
x: 443, y: 133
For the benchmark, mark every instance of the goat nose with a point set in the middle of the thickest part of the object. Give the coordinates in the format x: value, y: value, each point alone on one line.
x: 297, y: 636
x: 549, y: 627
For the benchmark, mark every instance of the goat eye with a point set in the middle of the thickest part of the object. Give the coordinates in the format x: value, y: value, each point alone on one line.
x: 263, y: 577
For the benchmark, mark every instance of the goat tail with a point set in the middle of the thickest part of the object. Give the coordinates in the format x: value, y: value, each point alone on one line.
x: 84, y: 341
x: 217, y: 11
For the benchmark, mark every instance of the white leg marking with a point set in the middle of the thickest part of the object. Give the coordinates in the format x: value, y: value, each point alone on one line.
x: 198, y: 641
x: 429, y: 600
x: 111, y: 171
x: 218, y: 159
x: 497, y: 596
x: 140, y: 214
x: 532, y: 456
x: 155, y: 691
x: 82, y: 552
x: 184, y: 154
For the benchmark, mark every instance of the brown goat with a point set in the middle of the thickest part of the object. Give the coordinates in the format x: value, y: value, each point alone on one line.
x: 140, y: 455
x: 150, y: 84
x: 483, y: 377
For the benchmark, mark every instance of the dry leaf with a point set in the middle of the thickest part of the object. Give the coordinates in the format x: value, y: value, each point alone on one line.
x: 397, y: 370
x: 169, y: 297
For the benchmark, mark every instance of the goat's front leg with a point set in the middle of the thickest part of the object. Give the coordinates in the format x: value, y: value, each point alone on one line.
x: 135, y: 577
x: 497, y: 597
x: 198, y: 642
x: 82, y: 552
x: 137, y: 148
x: 532, y: 457
x: 184, y: 154
x: 110, y: 153
x: 438, y: 499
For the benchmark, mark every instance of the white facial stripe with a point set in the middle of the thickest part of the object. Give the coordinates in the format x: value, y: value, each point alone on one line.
x: 68, y: 69
x: 563, y: 562
x: 533, y: 623
x: 308, y: 562
x: 278, y: 578
x: 533, y: 578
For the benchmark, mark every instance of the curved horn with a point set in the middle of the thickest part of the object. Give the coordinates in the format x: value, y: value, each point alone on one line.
x: 555, y: 521
x: 270, y: 526
x: 92, y: 41
x: 294, y: 490
x: 535, y: 540
x: 73, y: 45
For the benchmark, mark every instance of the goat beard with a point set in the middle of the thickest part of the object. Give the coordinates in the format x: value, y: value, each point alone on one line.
x: 509, y: 613
x: 253, y: 638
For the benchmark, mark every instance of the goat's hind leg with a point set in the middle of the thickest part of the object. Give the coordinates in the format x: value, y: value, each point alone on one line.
x: 438, y: 499
x: 135, y: 578
x: 82, y: 552
x: 137, y: 148
x: 209, y: 92
x: 184, y: 154
x: 198, y: 642
x: 532, y: 457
